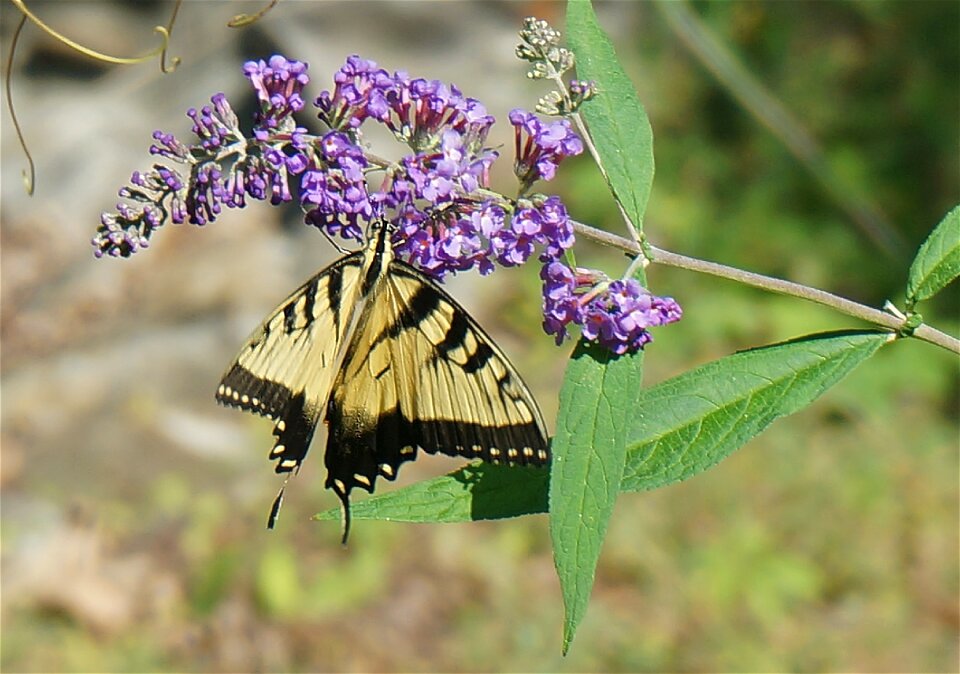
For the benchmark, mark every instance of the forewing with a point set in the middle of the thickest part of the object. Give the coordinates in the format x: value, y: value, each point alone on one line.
x: 285, y: 370
x: 420, y: 373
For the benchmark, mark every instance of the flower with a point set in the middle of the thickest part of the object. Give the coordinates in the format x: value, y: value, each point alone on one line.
x: 125, y: 232
x: 448, y: 174
x: 556, y: 230
x: 278, y: 83
x: 204, y: 200
x: 560, y: 306
x: 614, y: 314
x: 335, y: 193
x: 448, y: 241
x: 419, y: 112
x: 168, y: 146
x: 215, y: 126
x: 542, y: 222
x: 359, y: 93
x: 540, y: 147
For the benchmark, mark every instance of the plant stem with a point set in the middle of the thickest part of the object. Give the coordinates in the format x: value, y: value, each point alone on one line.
x: 923, y: 332
x: 587, y: 139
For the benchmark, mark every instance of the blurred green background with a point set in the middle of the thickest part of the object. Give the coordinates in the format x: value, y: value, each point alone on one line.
x: 133, y: 507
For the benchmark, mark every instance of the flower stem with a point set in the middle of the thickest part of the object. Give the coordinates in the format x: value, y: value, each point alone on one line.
x: 923, y: 332
x: 588, y: 142
x: 587, y: 139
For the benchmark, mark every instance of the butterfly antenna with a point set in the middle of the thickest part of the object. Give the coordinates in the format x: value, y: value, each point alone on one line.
x: 333, y: 242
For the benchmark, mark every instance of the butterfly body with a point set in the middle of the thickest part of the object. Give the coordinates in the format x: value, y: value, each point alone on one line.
x: 392, y: 364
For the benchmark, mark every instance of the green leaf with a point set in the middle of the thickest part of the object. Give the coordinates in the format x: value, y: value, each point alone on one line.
x: 938, y: 260
x: 589, y: 449
x: 479, y: 491
x: 617, y: 121
x: 689, y: 423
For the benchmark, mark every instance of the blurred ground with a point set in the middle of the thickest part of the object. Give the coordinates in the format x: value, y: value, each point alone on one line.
x: 133, y: 507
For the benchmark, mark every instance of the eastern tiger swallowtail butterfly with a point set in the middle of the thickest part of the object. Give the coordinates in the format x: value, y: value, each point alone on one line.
x: 393, y: 365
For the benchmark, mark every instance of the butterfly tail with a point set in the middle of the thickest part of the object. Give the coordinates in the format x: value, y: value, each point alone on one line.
x: 275, y: 508
x: 344, y: 517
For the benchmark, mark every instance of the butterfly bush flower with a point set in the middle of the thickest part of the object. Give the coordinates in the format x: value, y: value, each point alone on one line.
x: 614, y: 314
x: 541, y: 147
x: 543, y: 223
x: 359, y: 93
x: 205, y: 199
x: 334, y: 191
x: 442, y: 176
x: 279, y: 84
x: 437, y: 195
x: 224, y: 166
x: 126, y: 231
x: 215, y: 126
x: 420, y: 111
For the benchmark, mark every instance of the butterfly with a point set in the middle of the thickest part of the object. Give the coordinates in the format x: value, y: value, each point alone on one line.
x: 392, y: 364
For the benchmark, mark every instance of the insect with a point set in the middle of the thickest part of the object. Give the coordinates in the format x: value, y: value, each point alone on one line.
x: 392, y: 364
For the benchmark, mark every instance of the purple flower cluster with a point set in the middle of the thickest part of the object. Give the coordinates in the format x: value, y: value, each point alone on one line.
x: 224, y: 167
x: 216, y: 126
x: 541, y: 147
x: 125, y: 232
x: 168, y: 146
x: 358, y: 93
x: 446, y: 223
x: 542, y: 222
x: 448, y: 241
x: 614, y: 314
x: 128, y: 229
x: 480, y: 235
x: 204, y: 199
x: 445, y: 218
x: 421, y: 111
x: 279, y: 84
x: 443, y: 174
x: 417, y: 111
x: 334, y: 193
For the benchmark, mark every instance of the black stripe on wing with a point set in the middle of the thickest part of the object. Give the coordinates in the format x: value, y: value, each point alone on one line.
x: 272, y: 362
x: 242, y: 389
x: 424, y: 301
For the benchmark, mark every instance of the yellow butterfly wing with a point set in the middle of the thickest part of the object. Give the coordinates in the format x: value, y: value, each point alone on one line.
x: 285, y: 370
x: 420, y: 374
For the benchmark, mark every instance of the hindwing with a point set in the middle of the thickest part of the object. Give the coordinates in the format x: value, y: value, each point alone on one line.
x: 420, y: 374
